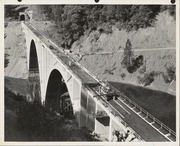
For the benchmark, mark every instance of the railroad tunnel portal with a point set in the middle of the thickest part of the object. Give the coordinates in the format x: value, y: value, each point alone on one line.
x: 22, y: 17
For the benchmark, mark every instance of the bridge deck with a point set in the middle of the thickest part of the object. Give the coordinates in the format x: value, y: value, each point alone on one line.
x: 137, y: 123
x: 83, y: 75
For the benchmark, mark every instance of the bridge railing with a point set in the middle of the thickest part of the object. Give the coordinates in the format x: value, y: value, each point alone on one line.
x: 144, y: 111
x: 135, y: 133
x: 105, y: 103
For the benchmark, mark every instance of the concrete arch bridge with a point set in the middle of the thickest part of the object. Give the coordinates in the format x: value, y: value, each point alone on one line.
x: 52, y: 74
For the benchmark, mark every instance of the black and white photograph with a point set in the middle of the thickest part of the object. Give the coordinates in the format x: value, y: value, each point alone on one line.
x: 95, y: 72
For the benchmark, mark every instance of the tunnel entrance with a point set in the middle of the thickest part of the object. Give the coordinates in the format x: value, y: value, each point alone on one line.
x: 57, y: 96
x: 33, y: 78
x: 22, y: 17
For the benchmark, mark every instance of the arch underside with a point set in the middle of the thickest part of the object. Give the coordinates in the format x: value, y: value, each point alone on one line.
x: 57, y: 96
x: 33, y: 78
x: 33, y: 63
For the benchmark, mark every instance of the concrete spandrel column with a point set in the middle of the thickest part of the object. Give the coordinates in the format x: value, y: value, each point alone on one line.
x: 95, y: 127
x: 110, y: 129
x: 34, y: 85
x: 102, y: 123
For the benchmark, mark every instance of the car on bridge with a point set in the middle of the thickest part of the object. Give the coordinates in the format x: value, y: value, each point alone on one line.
x: 109, y: 93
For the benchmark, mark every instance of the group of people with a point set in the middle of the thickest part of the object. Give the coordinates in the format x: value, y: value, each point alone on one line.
x: 121, y: 136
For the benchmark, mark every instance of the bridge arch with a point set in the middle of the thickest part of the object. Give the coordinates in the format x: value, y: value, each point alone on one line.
x: 57, y: 94
x: 33, y: 58
x: 34, y: 77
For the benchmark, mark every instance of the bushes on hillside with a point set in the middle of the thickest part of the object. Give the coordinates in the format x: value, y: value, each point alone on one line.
x: 129, y: 61
x: 74, y: 20
x: 170, y: 74
x: 123, y: 75
x: 40, y: 124
x: 6, y: 60
x: 142, y: 70
x: 147, y: 79
x: 34, y: 120
x: 44, y: 125
x: 170, y: 8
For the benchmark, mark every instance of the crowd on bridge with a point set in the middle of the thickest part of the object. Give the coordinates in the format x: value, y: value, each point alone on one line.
x: 122, y: 136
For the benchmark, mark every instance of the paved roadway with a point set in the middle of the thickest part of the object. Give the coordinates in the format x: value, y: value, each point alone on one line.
x: 140, y: 125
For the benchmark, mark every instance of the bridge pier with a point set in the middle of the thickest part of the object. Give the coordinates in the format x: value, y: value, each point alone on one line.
x: 34, y: 85
x: 76, y: 95
x: 87, y: 108
x: 110, y: 129
x: 102, y: 123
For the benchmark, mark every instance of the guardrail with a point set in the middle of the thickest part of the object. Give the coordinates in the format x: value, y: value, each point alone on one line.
x: 99, y: 96
x: 144, y: 111
x: 128, y: 126
x: 135, y: 133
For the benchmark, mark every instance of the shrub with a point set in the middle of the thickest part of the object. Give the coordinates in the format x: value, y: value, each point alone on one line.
x: 136, y: 63
x: 123, y: 75
x: 148, y: 78
x: 142, y: 69
x: 6, y: 61
x: 40, y: 124
x: 35, y: 120
x: 170, y: 74
x: 129, y: 62
x: 109, y: 71
x: 101, y: 30
x: 5, y: 24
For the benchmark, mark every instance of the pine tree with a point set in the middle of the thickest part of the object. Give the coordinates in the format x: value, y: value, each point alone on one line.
x: 127, y: 55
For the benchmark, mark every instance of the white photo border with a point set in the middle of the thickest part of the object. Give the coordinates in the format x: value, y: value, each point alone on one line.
x: 152, y: 2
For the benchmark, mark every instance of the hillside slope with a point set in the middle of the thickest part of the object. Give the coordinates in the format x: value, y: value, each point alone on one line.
x: 16, y: 50
x: 156, y: 44
x: 160, y: 38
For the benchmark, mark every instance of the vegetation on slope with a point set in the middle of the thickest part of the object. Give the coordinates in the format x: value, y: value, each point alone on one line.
x: 97, y: 28
x: 26, y: 121
x: 108, y: 36
x: 74, y: 20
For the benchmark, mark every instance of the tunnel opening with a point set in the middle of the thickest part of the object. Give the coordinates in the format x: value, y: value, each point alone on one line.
x: 57, y: 96
x: 22, y: 17
x: 33, y: 78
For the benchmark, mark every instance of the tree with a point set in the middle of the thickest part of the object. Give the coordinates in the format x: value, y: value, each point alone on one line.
x: 170, y: 74
x: 127, y: 55
x: 6, y: 61
x: 73, y: 20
